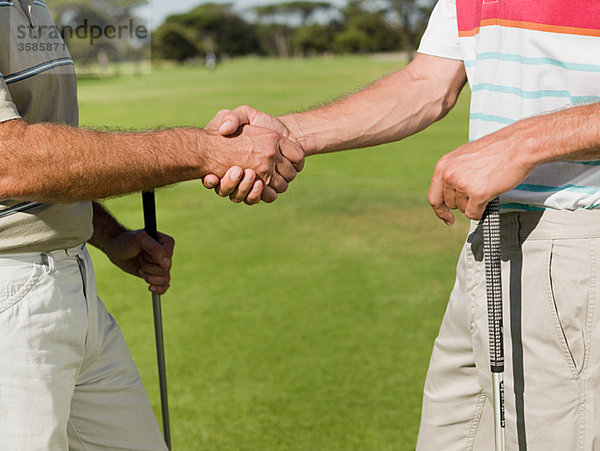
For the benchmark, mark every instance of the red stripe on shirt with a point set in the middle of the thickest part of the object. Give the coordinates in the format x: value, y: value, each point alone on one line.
x: 580, y: 17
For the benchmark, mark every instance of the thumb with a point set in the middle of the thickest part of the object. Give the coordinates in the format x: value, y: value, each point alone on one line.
x: 231, y: 121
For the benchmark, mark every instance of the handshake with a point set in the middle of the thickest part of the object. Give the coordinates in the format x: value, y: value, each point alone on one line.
x: 259, y: 157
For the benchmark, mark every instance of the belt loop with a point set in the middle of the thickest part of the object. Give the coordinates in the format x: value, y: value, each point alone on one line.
x: 48, y: 262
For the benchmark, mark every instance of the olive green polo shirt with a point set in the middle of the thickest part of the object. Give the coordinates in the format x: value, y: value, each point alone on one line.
x: 38, y: 84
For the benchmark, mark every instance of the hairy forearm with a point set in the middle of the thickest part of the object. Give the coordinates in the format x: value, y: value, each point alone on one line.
x: 571, y: 134
x: 106, y: 228
x: 399, y: 105
x: 47, y: 162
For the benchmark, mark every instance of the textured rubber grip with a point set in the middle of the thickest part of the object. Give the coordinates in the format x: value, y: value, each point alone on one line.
x: 493, y: 281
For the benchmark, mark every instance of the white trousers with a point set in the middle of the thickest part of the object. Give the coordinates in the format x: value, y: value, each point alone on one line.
x: 67, y: 380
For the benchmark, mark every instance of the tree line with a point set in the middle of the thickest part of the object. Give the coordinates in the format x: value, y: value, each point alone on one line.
x: 296, y: 28
x: 292, y: 28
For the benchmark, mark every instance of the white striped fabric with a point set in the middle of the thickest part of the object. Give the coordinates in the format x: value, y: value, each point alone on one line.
x: 525, y: 59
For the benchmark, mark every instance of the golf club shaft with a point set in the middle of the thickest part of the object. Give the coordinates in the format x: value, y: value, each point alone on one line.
x: 493, y: 276
x: 499, y: 421
x: 162, y: 372
x: 23, y: 206
x: 151, y: 228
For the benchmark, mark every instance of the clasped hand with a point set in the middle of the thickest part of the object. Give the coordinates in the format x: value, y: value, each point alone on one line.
x: 266, y: 137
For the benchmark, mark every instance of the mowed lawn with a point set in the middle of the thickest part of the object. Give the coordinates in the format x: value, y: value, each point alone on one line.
x: 305, y: 324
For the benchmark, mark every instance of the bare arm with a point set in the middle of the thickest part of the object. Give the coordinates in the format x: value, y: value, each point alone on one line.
x: 399, y: 105
x: 47, y: 162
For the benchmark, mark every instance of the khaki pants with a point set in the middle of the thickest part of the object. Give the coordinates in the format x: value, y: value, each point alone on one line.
x: 550, y: 275
x: 66, y: 377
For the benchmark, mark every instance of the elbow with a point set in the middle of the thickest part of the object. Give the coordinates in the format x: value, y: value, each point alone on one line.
x: 447, y: 102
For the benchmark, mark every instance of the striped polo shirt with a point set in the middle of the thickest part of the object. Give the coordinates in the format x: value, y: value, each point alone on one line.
x: 37, y: 84
x: 526, y: 58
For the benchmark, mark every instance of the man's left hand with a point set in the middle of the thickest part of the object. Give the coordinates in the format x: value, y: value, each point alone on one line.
x: 475, y: 173
x: 137, y: 253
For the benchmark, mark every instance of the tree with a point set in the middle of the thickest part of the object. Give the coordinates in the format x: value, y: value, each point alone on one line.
x: 70, y: 15
x: 367, y: 29
x: 172, y: 41
x: 274, y: 39
x: 278, y: 20
x: 313, y: 39
x: 216, y: 28
x: 411, y: 17
x: 290, y: 12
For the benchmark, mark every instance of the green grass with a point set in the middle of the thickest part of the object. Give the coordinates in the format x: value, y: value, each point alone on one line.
x: 306, y: 324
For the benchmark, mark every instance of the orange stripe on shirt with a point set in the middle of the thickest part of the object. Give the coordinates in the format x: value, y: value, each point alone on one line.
x: 530, y: 26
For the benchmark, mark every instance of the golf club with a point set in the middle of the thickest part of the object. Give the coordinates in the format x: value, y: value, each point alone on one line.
x: 23, y: 206
x: 151, y: 229
x: 493, y: 282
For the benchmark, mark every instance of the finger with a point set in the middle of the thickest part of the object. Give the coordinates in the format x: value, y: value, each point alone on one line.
x: 244, y: 187
x: 151, y: 279
x: 254, y: 196
x: 230, y: 181
x: 154, y: 252
x: 152, y: 269
x: 158, y: 290
x: 462, y: 201
x: 210, y: 181
x: 436, y: 200
x: 450, y: 197
x: 299, y: 166
x: 269, y: 195
x: 475, y: 208
x: 291, y: 151
x: 158, y: 277
x: 168, y: 244
x: 278, y: 183
x: 286, y: 169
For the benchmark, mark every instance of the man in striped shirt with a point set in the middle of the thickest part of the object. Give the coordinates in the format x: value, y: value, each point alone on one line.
x: 534, y: 73
x: 66, y: 377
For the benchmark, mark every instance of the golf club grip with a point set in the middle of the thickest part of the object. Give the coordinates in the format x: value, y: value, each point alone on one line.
x: 150, y: 214
x: 493, y: 281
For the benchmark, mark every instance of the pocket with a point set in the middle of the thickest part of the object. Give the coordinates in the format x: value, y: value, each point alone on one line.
x: 16, y: 282
x: 571, y: 274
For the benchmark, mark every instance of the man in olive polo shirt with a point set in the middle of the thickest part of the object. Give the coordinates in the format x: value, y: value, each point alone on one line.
x: 67, y: 379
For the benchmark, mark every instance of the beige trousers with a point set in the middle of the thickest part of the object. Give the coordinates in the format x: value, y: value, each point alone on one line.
x: 550, y: 278
x: 67, y: 380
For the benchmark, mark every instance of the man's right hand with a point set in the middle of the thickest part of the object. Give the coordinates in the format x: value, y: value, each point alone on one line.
x: 242, y: 185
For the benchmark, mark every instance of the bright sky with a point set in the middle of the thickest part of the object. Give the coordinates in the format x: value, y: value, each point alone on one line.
x: 164, y: 8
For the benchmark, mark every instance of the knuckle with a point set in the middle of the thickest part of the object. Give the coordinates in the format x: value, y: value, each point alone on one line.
x: 440, y: 165
x: 448, y: 173
x: 244, y: 107
x: 432, y: 199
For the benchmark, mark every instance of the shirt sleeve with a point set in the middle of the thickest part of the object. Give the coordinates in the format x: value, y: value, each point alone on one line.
x: 8, y: 109
x: 441, y: 35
